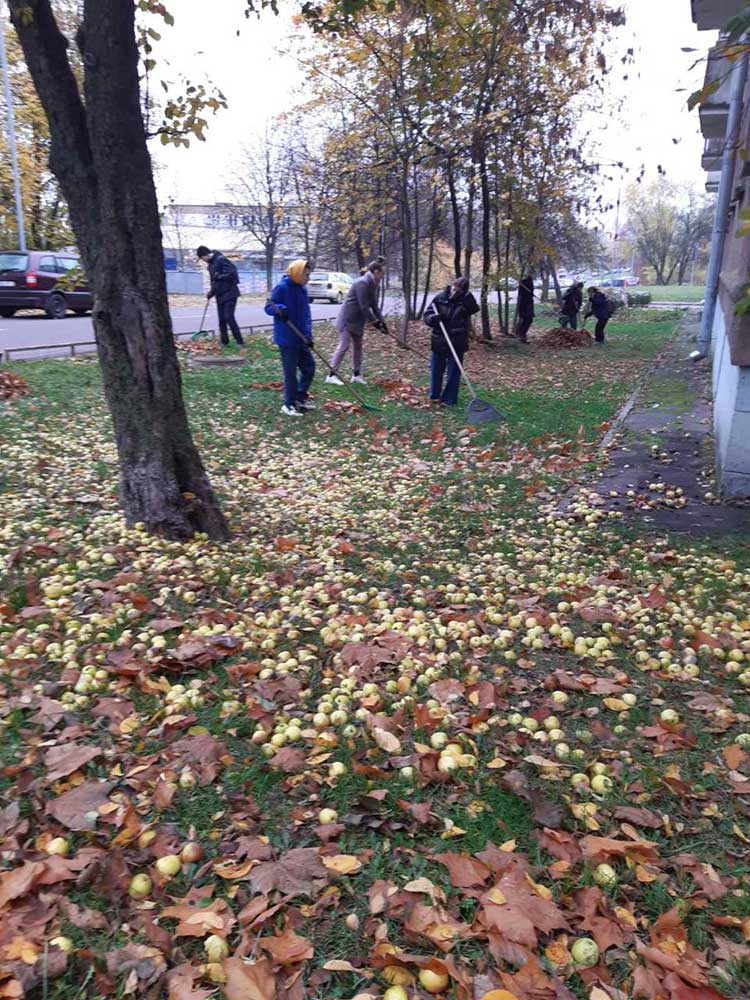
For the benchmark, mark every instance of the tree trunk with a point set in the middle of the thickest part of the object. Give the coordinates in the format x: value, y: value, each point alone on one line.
x: 456, y: 215
x: 555, y: 282
x: 269, y: 255
x: 99, y: 155
x: 406, y: 258
x: 430, y: 253
x: 545, y: 275
x: 469, y: 250
x: 486, y: 246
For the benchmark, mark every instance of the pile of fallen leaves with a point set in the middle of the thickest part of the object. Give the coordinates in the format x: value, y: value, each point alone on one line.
x: 12, y: 386
x: 203, y: 345
x: 402, y: 391
x: 562, y: 336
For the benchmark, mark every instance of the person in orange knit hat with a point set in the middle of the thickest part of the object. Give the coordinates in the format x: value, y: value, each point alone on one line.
x: 289, y: 305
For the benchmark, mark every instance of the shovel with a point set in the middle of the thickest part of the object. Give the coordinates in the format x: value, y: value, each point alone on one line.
x: 319, y: 356
x: 478, y: 411
x: 200, y: 333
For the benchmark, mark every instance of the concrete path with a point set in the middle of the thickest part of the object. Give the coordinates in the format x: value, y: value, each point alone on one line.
x: 659, y: 460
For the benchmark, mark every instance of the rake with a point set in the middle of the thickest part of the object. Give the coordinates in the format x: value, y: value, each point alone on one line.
x: 319, y: 356
x: 478, y: 411
x: 200, y: 333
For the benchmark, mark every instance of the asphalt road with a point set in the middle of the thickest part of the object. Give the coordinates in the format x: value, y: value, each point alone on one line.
x: 36, y: 330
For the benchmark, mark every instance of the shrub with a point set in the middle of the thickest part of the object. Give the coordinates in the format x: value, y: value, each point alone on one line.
x: 639, y: 298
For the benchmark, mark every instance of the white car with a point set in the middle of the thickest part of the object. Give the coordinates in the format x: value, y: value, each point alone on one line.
x: 329, y: 285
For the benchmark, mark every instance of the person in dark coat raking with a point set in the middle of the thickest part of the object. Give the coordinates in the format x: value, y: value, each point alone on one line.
x: 525, y: 313
x: 453, y: 308
x: 225, y: 288
x: 571, y: 306
x: 599, y: 308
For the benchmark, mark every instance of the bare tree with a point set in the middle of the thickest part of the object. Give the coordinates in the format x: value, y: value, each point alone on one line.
x: 262, y: 189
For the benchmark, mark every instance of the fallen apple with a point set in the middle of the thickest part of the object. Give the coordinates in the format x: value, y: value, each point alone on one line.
x: 605, y: 876
x: 215, y: 948
x: 585, y: 952
x: 433, y: 982
x: 140, y: 886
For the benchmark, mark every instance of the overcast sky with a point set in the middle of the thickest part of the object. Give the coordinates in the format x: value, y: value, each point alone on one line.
x: 260, y: 83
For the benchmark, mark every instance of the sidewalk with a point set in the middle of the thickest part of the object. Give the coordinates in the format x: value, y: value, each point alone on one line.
x: 658, y: 457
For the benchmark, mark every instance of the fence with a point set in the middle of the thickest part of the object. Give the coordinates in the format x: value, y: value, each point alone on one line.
x: 196, y: 282
x: 81, y: 348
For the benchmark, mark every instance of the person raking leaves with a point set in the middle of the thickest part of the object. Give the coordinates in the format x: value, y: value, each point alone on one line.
x: 359, y: 308
x: 289, y: 305
x: 225, y: 288
x: 453, y: 308
x: 599, y: 307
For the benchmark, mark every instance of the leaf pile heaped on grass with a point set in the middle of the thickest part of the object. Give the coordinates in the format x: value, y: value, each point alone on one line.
x: 411, y: 731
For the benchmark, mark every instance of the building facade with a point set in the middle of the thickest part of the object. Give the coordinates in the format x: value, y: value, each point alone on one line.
x: 223, y: 226
x: 725, y: 331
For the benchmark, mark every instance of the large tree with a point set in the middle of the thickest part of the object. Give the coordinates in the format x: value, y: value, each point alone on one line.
x: 98, y: 154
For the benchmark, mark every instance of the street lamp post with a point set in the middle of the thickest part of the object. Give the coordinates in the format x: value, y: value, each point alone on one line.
x: 11, y: 128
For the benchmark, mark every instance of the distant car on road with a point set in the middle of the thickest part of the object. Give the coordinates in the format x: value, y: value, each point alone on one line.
x: 330, y: 285
x: 28, y: 280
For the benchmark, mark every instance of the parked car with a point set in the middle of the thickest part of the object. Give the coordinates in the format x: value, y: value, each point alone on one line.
x: 28, y: 280
x: 330, y: 285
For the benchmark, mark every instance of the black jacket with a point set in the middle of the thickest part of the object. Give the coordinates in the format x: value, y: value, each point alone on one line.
x: 455, y: 313
x: 526, y: 300
x: 572, y: 301
x: 225, y: 280
x: 599, y: 306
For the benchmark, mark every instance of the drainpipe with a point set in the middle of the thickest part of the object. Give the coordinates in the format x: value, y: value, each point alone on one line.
x: 724, y: 197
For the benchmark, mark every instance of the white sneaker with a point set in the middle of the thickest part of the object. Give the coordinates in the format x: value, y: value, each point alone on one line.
x: 333, y: 380
x: 290, y: 411
x: 359, y: 379
x: 305, y: 404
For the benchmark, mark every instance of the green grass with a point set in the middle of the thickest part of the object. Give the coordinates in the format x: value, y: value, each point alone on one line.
x: 673, y: 293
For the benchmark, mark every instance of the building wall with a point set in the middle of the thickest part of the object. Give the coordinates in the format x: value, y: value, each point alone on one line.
x: 731, y: 382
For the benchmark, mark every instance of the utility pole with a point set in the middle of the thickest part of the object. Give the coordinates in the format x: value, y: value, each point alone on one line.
x: 11, y: 128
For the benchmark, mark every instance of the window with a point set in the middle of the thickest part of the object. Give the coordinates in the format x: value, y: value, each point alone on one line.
x: 67, y: 264
x: 47, y: 264
x: 14, y: 261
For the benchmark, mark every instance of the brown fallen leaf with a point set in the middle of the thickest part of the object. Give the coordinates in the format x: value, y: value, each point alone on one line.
x: 18, y: 881
x: 78, y: 809
x: 288, y: 948
x: 294, y: 873
x: 465, y: 872
x: 180, y: 984
x: 64, y: 760
x: 249, y: 980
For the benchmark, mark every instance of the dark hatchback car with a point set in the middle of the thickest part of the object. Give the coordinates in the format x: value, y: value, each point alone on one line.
x: 28, y: 281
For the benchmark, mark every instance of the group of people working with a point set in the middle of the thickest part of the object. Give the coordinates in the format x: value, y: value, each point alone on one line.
x: 448, y: 316
x: 598, y: 306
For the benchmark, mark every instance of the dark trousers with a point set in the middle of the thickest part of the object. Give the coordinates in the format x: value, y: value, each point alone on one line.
x: 226, y: 319
x: 601, y: 322
x: 569, y: 319
x: 297, y: 356
x: 438, y: 365
x: 523, y: 326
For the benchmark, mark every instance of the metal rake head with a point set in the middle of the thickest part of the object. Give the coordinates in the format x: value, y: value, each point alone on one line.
x: 479, y: 411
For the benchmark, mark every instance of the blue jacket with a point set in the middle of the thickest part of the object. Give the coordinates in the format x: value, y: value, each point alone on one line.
x: 292, y: 298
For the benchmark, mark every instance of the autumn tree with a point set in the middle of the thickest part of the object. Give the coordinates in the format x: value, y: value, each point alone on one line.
x: 452, y: 90
x: 667, y: 223
x: 45, y: 211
